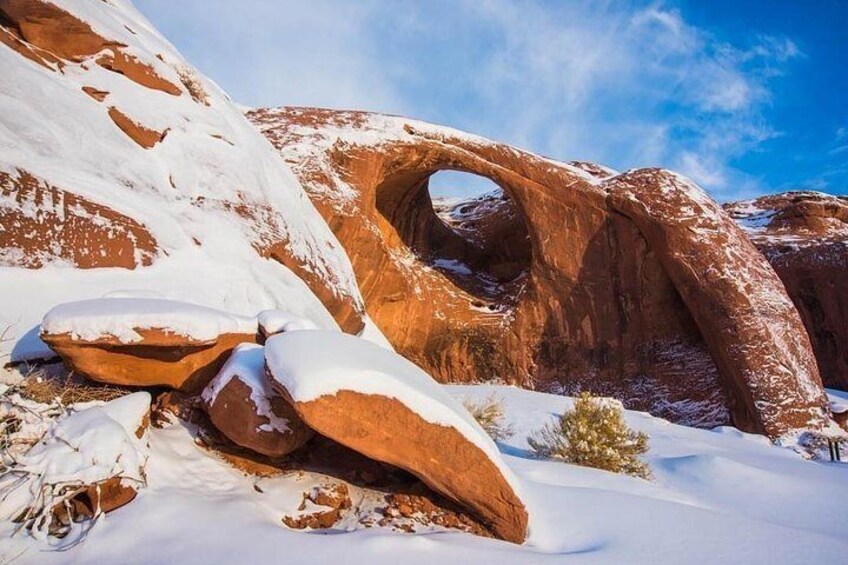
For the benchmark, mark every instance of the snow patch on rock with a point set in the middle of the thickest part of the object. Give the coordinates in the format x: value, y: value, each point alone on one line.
x: 90, y: 320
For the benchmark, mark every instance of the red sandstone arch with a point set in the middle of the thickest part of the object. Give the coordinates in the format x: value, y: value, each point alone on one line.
x: 621, y: 295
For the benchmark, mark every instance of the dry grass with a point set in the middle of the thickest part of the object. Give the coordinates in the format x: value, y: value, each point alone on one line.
x: 192, y: 83
x: 489, y: 413
x: 593, y: 434
x: 41, y: 386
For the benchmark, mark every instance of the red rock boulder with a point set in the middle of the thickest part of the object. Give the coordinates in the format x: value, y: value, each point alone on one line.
x: 243, y: 407
x: 381, y: 405
x: 145, y: 342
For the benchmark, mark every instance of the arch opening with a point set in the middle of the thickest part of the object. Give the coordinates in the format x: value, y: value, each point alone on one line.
x: 464, y: 226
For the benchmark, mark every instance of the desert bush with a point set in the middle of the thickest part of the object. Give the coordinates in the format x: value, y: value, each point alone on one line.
x: 489, y: 413
x: 593, y: 434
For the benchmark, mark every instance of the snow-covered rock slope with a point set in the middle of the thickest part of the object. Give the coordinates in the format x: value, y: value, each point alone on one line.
x: 717, y: 497
x: 92, y: 203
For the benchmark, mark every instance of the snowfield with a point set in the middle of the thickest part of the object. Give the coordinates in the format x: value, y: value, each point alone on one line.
x: 717, y: 497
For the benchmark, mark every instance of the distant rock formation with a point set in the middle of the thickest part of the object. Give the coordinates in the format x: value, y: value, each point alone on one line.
x: 804, y: 235
x: 636, y: 286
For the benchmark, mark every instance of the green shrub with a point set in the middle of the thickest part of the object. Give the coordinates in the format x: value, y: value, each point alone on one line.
x: 593, y: 434
x: 489, y: 413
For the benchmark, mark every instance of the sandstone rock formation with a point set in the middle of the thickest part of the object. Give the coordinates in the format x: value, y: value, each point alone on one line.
x: 804, y: 235
x: 88, y: 179
x: 381, y: 405
x: 242, y: 406
x: 44, y: 224
x: 144, y: 342
x: 145, y: 137
x: 575, y: 279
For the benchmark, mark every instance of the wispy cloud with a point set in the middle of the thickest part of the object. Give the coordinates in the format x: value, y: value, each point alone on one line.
x: 623, y: 83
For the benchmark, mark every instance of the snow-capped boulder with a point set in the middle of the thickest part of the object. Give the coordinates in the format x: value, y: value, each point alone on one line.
x: 558, y: 281
x: 145, y: 341
x: 804, y: 235
x: 90, y: 461
x: 123, y: 168
x: 383, y: 406
x: 242, y: 406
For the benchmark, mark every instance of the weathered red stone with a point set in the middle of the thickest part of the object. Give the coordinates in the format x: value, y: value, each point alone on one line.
x: 242, y: 405
x: 143, y: 136
x: 159, y: 359
x: 46, y: 34
x: 564, y: 284
x: 43, y: 223
x: 804, y: 235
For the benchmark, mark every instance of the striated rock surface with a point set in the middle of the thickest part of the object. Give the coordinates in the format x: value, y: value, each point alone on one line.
x: 145, y: 342
x: 242, y: 405
x: 804, y: 235
x: 753, y: 330
x: 381, y: 405
x: 560, y: 281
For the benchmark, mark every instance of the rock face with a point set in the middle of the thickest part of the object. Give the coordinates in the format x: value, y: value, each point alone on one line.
x: 146, y: 138
x: 804, y: 235
x: 754, y: 332
x: 136, y: 342
x: 571, y: 278
x: 381, y: 405
x: 47, y: 224
x: 118, y: 154
x: 241, y: 404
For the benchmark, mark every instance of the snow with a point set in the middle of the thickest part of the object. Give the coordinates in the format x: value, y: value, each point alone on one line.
x: 90, y: 320
x: 373, y: 334
x: 453, y: 265
x: 178, y: 190
x: 84, y: 447
x: 310, y: 365
x: 717, y: 497
x: 247, y: 364
x: 191, y: 275
x: 277, y: 321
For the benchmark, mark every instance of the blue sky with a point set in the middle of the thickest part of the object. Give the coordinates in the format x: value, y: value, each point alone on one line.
x: 746, y: 97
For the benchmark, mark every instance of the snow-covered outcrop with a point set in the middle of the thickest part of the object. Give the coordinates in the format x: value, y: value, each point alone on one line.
x: 202, y: 211
x: 242, y: 405
x: 145, y: 341
x: 381, y: 405
x: 88, y: 461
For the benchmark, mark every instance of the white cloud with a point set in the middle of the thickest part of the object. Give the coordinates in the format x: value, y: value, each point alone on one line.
x: 622, y: 83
